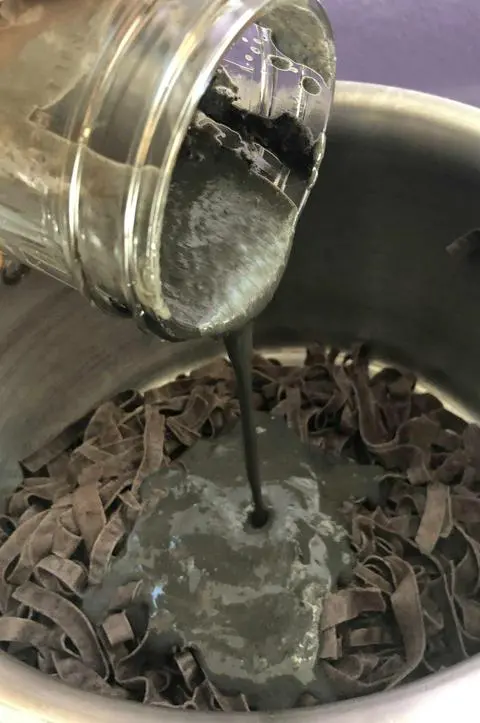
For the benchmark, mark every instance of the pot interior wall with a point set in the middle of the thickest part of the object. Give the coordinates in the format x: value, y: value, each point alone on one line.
x: 373, y: 256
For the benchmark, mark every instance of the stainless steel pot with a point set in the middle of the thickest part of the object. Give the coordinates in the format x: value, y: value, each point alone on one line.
x: 372, y: 259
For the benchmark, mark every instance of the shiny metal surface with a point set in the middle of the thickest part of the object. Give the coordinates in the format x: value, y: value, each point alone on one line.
x: 400, y: 182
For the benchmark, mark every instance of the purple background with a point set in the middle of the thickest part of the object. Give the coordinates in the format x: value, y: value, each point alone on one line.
x: 428, y: 45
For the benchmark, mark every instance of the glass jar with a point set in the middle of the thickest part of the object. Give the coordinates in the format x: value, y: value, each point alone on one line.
x: 97, y: 98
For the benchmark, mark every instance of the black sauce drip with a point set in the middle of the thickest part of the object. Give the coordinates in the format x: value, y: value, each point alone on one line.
x: 239, y: 346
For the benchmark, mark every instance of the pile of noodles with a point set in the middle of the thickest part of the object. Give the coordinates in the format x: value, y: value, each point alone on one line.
x: 411, y: 607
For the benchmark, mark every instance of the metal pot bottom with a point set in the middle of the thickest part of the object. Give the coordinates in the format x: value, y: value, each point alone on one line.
x: 372, y: 259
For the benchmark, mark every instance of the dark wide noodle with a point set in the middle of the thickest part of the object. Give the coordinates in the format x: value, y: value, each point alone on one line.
x: 411, y: 606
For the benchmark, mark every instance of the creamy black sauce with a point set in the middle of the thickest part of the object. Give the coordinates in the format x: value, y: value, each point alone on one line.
x: 239, y: 346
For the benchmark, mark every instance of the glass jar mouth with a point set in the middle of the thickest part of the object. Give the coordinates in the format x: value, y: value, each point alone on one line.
x: 127, y: 177
x: 204, y: 287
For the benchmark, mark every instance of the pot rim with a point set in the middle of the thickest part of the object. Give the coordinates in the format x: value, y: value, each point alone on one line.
x: 27, y: 696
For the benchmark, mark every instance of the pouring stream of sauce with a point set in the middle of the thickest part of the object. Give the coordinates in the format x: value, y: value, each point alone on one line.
x: 239, y: 346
